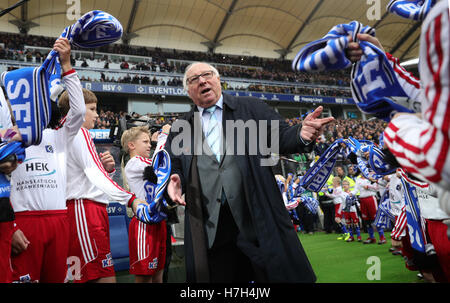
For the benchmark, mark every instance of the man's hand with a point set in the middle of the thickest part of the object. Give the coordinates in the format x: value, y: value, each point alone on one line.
x: 62, y: 46
x: 19, y: 242
x: 107, y: 161
x: 354, y: 51
x: 312, y: 126
x: 174, y: 189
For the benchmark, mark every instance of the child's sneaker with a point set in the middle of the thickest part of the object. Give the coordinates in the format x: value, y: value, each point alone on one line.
x: 346, y: 236
x: 359, y: 239
x: 382, y: 241
x: 370, y: 241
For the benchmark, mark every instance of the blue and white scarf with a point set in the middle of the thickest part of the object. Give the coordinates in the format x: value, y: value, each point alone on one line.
x: 375, y: 86
x: 414, y: 221
x: 315, y: 178
x: 154, y: 212
x: 411, y: 9
x: 384, y: 217
x: 6, y: 150
x: 328, y: 53
x: 310, y: 203
x: 31, y: 90
x: 375, y: 167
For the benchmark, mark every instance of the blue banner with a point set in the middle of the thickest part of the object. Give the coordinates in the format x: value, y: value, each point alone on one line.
x: 100, y: 135
x: 124, y: 88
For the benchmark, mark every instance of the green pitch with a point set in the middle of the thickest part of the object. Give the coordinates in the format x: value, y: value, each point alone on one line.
x: 336, y: 261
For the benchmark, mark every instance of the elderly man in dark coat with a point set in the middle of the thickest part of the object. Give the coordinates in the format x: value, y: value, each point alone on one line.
x: 237, y: 228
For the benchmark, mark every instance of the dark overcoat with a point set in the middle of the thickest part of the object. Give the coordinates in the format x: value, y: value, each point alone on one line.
x: 279, y: 251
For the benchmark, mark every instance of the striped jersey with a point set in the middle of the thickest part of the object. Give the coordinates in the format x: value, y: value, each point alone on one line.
x: 39, y: 183
x: 363, y: 192
x: 337, y: 195
x: 87, y: 178
x: 396, y: 195
x: 134, y: 170
x: 421, y: 144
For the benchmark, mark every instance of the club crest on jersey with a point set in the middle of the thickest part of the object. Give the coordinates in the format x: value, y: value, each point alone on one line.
x: 49, y: 149
x: 153, y: 264
x: 108, y: 261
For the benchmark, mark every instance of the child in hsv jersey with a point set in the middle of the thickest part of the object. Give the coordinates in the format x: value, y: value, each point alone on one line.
x: 369, y: 205
x: 349, y: 211
x: 147, y: 241
x: 40, y: 240
x: 6, y: 210
x: 89, y: 190
x: 336, y: 194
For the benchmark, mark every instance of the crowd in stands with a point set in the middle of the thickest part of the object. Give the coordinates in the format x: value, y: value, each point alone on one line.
x: 106, y: 118
x: 12, y: 48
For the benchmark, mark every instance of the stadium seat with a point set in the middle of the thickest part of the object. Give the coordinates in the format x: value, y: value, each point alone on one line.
x: 118, y: 231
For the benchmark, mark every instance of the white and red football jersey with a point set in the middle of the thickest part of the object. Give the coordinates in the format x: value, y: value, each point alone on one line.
x: 87, y: 178
x: 360, y: 184
x: 135, y: 168
x: 39, y: 183
x: 396, y: 195
x: 422, y: 144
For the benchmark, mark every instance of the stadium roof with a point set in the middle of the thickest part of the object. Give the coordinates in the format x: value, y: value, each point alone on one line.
x: 263, y: 28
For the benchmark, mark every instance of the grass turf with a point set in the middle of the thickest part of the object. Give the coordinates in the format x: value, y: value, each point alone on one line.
x: 336, y: 261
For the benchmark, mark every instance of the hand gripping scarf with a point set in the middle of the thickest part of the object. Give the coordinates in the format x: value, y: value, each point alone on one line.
x: 375, y: 85
x: 154, y: 212
x: 411, y: 9
x: 30, y: 90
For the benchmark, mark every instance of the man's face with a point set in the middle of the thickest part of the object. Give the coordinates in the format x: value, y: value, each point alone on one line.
x: 351, y: 171
x: 339, y: 171
x: 203, y: 91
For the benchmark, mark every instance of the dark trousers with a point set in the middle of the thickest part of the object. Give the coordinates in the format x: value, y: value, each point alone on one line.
x: 168, y: 253
x: 306, y: 218
x: 328, y: 216
x: 227, y: 263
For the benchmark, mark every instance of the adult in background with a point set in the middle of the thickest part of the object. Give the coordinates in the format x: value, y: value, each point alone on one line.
x: 237, y: 228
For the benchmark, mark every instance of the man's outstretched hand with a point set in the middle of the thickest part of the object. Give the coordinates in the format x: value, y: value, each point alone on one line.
x: 174, y: 190
x: 312, y: 126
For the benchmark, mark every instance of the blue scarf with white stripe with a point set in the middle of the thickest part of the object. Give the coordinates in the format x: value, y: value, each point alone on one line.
x: 415, y: 222
x: 375, y: 167
x: 9, y: 151
x: 374, y: 84
x: 31, y: 90
x: 411, y: 9
x: 384, y: 216
x: 154, y: 212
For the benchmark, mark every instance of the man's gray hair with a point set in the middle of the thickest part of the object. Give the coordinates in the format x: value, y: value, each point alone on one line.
x: 185, y: 84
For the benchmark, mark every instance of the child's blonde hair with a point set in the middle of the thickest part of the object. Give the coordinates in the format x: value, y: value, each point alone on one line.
x: 131, y: 135
x: 337, y: 179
